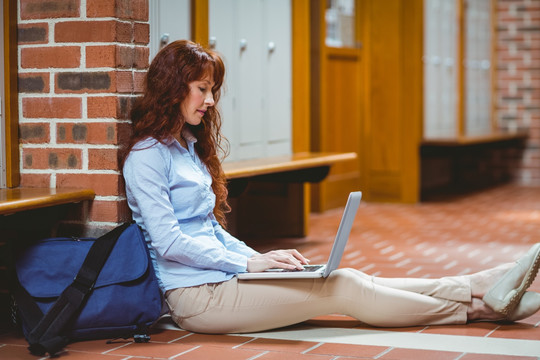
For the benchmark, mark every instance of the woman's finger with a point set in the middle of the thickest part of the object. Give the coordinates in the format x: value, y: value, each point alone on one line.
x: 297, y: 255
x: 285, y: 259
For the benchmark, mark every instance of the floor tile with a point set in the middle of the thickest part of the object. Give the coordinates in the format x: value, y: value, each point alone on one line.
x: 348, y: 350
x: 13, y: 352
x: 495, y: 357
x: 517, y: 331
x: 274, y: 355
x: 167, y: 335
x: 74, y: 355
x: 473, y: 329
x: 155, y: 350
x: 97, y: 346
x: 279, y: 345
x: 414, y: 354
x: 209, y: 352
x: 13, y: 338
x: 223, y: 341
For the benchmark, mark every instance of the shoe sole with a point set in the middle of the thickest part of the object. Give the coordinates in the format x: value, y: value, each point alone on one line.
x: 525, y: 284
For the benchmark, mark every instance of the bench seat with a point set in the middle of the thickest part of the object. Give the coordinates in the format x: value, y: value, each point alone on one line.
x: 465, y: 163
x: 268, y: 195
x: 281, y: 164
x: 476, y: 140
x: 22, y: 199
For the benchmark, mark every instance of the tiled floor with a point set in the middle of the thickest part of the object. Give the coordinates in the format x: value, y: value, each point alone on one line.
x: 432, y: 239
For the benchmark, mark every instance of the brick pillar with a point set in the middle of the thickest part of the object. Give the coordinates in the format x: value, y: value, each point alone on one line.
x: 518, y: 78
x: 82, y: 64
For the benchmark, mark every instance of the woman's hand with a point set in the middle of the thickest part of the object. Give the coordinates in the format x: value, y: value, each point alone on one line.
x: 277, y: 259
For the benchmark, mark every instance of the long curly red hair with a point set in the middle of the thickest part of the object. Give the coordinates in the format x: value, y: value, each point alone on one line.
x: 157, y: 113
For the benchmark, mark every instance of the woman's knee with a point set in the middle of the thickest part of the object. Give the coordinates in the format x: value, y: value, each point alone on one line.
x: 349, y: 282
x: 350, y: 275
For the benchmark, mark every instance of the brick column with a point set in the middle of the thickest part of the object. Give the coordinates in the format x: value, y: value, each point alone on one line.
x: 518, y: 78
x: 82, y: 64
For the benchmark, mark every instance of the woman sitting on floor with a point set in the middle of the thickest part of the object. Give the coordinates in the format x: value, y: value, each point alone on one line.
x: 177, y: 192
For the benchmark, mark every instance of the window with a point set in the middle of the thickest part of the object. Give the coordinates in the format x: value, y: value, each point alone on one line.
x: 340, y: 23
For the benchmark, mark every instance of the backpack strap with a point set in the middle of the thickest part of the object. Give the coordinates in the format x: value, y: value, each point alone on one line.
x: 45, y: 334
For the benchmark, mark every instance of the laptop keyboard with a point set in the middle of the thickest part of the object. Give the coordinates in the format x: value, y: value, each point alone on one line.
x: 307, y: 268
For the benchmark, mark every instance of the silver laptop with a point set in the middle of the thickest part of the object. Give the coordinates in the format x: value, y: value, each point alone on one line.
x: 317, y: 271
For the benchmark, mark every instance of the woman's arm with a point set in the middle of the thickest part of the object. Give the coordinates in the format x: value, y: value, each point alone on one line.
x: 231, y: 242
x: 283, y: 259
x: 147, y: 186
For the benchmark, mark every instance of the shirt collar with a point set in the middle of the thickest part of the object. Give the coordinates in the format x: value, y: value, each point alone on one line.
x: 188, y: 135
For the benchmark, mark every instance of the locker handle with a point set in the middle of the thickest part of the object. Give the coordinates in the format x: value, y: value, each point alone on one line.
x: 271, y: 47
x: 212, y: 42
x: 164, y: 39
x: 243, y: 44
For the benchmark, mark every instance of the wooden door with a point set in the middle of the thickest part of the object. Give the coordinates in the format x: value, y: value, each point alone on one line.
x: 369, y: 100
x: 337, y: 111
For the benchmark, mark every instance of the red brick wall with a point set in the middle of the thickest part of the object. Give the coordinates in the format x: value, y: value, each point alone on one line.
x: 518, y: 80
x: 81, y: 65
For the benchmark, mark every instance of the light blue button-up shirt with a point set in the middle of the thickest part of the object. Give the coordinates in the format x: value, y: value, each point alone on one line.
x: 169, y: 192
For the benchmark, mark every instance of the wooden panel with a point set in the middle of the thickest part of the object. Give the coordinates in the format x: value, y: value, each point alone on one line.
x: 11, y: 113
x: 301, y: 84
x: 301, y: 90
x: 412, y: 90
x: 341, y: 130
x: 199, y: 21
x: 385, y: 89
x: 393, y: 44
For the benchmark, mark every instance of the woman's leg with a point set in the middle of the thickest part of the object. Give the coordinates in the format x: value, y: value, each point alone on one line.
x: 248, y: 306
x: 455, y: 288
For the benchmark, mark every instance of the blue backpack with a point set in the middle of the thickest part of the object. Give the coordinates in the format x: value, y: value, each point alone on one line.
x: 73, y: 289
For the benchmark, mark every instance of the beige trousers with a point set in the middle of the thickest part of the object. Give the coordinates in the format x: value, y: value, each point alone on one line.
x: 256, y: 305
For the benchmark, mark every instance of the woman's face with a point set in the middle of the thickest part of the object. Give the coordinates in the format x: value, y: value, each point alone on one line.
x: 199, y: 99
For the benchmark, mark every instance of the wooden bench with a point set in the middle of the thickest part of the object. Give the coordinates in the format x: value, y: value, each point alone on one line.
x: 299, y: 167
x: 268, y: 195
x: 23, y: 199
x: 464, y: 163
x: 290, y: 169
x: 475, y: 140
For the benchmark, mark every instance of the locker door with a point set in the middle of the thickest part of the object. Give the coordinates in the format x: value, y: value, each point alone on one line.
x: 222, y: 33
x: 277, y: 76
x: 254, y: 37
x: 250, y: 52
x: 169, y: 21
